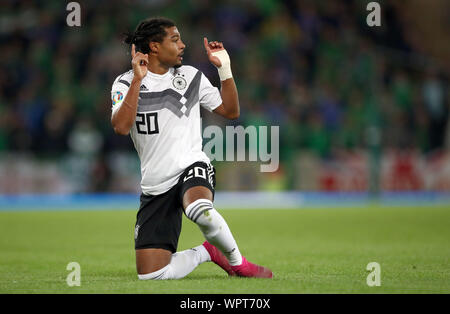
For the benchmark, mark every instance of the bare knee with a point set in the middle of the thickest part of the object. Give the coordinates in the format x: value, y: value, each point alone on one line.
x: 151, y: 260
x: 195, y: 193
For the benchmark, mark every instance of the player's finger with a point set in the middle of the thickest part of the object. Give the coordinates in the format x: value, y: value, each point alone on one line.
x: 205, y: 42
x: 144, y: 59
x: 133, y: 51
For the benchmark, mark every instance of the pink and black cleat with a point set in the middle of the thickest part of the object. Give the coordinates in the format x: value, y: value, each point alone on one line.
x: 247, y: 269
x: 218, y: 258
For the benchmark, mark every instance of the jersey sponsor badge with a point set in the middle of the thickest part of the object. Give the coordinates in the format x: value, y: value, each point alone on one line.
x: 118, y: 96
x: 179, y: 83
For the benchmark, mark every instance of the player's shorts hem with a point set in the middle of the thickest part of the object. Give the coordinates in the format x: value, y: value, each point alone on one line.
x: 195, y: 182
x: 156, y: 246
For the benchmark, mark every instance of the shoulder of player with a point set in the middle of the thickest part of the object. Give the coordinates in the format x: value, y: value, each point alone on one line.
x: 124, y: 78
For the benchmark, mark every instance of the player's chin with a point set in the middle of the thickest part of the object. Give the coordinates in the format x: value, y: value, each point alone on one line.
x: 178, y: 64
x: 178, y: 61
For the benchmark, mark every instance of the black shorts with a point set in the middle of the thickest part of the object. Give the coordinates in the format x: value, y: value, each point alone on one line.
x: 158, y: 222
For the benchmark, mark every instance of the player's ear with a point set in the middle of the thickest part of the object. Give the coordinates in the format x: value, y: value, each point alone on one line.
x: 154, y: 47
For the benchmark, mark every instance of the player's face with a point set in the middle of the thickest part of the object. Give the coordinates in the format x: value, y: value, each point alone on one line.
x: 172, y: 48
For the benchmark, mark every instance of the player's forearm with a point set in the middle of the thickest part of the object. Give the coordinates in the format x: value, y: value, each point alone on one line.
x: 230, y: 99
x: 124, y: 117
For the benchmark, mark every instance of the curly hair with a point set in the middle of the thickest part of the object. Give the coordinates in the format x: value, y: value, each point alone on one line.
x: 148, y: 30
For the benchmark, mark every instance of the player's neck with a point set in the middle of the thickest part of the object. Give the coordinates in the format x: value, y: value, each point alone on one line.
x: 157, y: 67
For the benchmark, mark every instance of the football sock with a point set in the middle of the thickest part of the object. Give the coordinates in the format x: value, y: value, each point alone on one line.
x: 181, y: 264
x: 215, y: 229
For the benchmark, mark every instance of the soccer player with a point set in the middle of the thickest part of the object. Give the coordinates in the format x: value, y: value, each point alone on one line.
x: 158, y: 104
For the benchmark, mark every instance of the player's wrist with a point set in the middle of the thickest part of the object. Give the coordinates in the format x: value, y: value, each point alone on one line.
x: 136, y: 80
x: 225, y: 72
x: 225, y: 69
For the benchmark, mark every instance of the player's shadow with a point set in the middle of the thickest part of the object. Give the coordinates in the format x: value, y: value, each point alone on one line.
x: 208, y: 277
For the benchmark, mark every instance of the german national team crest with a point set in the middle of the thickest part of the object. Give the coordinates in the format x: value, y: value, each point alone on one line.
x: 179, y: 82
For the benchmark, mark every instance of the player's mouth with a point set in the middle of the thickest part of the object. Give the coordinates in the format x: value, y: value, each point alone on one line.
x: 180, y: 56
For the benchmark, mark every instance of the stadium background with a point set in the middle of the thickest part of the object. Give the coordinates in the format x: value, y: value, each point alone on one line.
x: 363, y: 116
x: 360, y: 109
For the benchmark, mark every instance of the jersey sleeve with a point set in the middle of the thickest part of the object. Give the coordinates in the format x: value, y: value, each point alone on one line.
x: 118, y: 92
x: 210, y: 97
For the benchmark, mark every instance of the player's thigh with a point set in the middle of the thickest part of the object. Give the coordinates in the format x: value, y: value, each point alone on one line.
x: 157, y: 230
x: 151, y: 260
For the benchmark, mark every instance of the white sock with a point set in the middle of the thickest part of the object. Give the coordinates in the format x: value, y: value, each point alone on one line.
x: 181, y: 264
x: 215, y: 229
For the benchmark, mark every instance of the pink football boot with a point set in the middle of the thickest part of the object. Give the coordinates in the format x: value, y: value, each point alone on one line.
x: 218, y: 258
x: 247, y: 269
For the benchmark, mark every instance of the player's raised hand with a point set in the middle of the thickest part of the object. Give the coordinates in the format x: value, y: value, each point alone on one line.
x: 211, y: 48
x: 139, y: 62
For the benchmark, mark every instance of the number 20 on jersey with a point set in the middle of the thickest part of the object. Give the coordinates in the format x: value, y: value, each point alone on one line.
x: 147, y: 123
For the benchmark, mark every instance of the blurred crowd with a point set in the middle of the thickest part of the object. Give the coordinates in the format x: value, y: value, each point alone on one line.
x: 314, y: 68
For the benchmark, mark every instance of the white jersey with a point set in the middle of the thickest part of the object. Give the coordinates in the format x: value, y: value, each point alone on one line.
x: 167, y: 132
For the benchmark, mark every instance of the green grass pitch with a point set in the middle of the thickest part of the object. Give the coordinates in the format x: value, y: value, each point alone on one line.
x: 309, y: 251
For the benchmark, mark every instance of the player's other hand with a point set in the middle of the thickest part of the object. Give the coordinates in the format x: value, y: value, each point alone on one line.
x: 139, y: 62
x: 211, y: 47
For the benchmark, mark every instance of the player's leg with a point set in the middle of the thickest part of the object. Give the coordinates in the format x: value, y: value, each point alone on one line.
x: 171, y: 265
x: 198, y: 205
x: 157, y: 231
x: 197, y: 195
x: 151, y: 260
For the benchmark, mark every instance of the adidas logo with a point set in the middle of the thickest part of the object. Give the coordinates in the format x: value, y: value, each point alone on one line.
x: 143, y: 87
